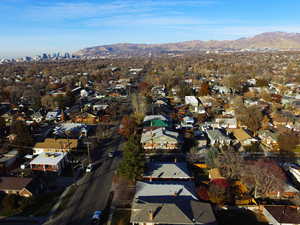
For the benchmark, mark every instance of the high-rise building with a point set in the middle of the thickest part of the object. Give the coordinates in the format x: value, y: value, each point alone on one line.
x: 44, y: 56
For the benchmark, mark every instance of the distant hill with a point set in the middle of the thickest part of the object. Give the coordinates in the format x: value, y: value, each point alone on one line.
x: 277, y: 40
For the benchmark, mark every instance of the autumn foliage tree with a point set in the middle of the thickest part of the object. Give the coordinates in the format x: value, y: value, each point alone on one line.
x: 204, y: 89
x: 251, y: 117
x: 218, y: 191
x: 128, y: 126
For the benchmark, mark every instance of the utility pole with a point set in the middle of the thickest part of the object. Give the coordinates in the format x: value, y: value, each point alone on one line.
x: 88, y: 148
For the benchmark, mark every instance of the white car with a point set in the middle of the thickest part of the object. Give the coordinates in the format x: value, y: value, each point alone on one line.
x: 89, y: 168
x: 110, y: 154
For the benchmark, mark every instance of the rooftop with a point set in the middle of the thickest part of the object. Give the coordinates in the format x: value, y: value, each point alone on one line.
x: 284, y: 214
x: 14, y: 183
x: 168, y: 170
x: 48, y: 158
x: 52, y: 143
x: 165, y: 189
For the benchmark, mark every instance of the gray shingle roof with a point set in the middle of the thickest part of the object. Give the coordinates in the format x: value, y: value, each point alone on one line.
x: 167, y: 170
x: 176, y: 212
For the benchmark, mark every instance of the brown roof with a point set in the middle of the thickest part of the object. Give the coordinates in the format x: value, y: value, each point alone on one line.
x: 14, y: 183
x: 284, y: 214
x: 240, y: 134
x: 215, y: 174
x: 52, y: 143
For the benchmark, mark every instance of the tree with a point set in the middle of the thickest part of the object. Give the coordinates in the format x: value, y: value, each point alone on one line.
x: 133, y: 162
x: 23, y: 136
x: 264, y: 177
x: 233, y: 82
x: 210, y: 158
x: 144, y: 88
x: 230, y: 163
x: 262, y: 82
x: 184, y: 90
x: 48, y: 102
x: 204, y: 89
x: 3, y: 128
x: 63, y: 101
x: 139, y: 104
x: 288, y: 141
x: 218, y: 191
x: 10, y: 204
x: 128, y: 126
x: 251, y: 117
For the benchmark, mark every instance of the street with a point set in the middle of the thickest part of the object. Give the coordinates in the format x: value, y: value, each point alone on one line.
x: 93, y: 191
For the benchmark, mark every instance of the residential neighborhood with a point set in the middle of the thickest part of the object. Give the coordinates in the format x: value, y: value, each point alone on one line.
x: 171, y: 140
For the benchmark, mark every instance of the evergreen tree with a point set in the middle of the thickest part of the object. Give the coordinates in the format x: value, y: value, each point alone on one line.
x: 133, y: 162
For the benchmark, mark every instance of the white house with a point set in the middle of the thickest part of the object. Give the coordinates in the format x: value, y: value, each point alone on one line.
x: 217, y: 137
x: 227, y: 122
x: 84, y: 93
x: 49, y: 162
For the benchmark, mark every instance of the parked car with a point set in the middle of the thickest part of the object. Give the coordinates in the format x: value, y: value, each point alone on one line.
x: 110, y: 154
x: 89, y: 168
x: 96, y: 217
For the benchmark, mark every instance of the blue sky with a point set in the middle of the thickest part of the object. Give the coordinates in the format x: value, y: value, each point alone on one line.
x: 30, y: 27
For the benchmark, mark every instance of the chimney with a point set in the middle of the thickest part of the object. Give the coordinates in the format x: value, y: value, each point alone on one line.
x: 151, y: 215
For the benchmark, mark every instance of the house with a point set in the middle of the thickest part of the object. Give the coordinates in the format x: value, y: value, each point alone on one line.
x: 187, y: 122
x: 7, y: 161
x: 158, y: 91
x: 242, y: 136
x: 193, y: 102
x: 54, y: 115
x: 217, y: 137
x: 288, y: 192
x: 99, y: 107
x: 226, y: 122
x: 222, y: 89
x: 169, y: 203
x: 73, y: 130
x: 206, y: 101
x: 269, y: 139
x: 214, y: 174
x: 84, y: 93
x: 156, y: 123
x: 282, y: 214
x: 24, y: 187
x: 167, y: 171
x: 155, y: 117
x: 200, y: 139
x: 49, y: 162
x: 160, y: 138
x: 55, y: 145
x: 86, y: 118
x: 37, y: 117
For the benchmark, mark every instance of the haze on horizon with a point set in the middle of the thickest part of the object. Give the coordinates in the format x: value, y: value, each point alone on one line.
x: 30, y: 27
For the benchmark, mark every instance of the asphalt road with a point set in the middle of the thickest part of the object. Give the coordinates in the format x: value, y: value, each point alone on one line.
x: 93, y: 190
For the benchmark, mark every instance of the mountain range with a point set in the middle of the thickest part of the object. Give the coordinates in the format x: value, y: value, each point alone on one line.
x: 274, y: 40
